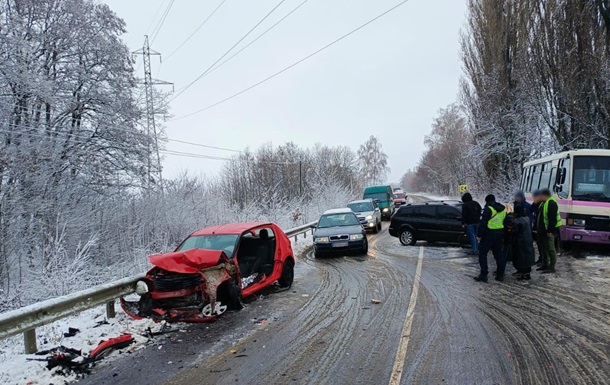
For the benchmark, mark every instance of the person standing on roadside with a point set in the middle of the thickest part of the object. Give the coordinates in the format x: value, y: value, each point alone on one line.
x: 536, y: 204
x: 471, y: 216
x: 522, y: 243
x: 520, y: 200
x: 491, y: 237
x: 548, y: 222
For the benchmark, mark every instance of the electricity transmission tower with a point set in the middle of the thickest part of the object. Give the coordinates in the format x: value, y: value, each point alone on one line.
x: 154, y: 159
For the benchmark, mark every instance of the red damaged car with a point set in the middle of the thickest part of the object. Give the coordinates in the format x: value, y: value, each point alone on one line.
x: 211, y: 271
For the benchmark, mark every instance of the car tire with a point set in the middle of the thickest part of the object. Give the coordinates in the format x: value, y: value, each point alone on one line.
x: 379, y: 226
x: 287, y: 277
x: 365, y: 249
x: 407, y: 237
x: 565, y: 246
x: 229, y: 295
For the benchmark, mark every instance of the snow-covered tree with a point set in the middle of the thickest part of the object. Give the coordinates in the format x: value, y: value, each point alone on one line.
x: 373, y: 161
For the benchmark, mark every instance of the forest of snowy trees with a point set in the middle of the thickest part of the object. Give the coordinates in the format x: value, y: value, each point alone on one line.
x: 75, y: 208
x: 536, y: 80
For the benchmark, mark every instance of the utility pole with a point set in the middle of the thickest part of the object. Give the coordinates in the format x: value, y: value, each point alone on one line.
x: 154, y: 165
x: 300, y: 178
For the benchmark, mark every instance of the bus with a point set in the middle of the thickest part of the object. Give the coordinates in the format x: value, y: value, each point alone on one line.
x: 580, y: 181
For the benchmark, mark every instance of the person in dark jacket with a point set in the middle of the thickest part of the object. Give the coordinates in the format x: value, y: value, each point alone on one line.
x: 547, y: 223
x: 536, y: 203
x: 471, y: 216
x: 522, y: 243
x: 491, y: 237
x: 520, y: 200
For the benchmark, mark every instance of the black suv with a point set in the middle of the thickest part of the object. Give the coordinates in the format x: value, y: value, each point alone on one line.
x: 429, y: 221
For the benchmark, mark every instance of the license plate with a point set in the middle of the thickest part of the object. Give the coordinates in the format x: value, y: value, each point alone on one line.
x: 340, y: 244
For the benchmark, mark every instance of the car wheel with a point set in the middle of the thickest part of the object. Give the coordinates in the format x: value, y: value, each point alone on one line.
x: 287, y: 274
x: 379, y: 226
x: 565, y: 246
x: 407, y: 237
x: 229, y: 294
x: 365, y: 249
x: 375, y: 229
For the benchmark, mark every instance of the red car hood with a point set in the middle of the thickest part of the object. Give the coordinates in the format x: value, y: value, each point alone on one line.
x: 188, y: 261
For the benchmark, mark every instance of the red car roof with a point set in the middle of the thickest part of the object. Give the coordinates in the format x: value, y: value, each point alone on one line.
x: 231, y: 228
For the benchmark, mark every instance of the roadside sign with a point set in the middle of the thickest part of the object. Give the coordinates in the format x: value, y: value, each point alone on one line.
x: 463, y: 188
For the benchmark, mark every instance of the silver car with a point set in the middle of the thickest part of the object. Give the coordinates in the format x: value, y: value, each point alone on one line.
x: 368, y: 214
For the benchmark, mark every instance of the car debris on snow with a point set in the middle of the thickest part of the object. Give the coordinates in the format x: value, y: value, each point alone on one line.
x: 376, y: 301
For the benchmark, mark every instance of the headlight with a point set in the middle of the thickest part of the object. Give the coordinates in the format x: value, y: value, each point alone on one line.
x: 579, y: 222
x: 369, y: 218
x: 141, y: 288
x: 356, y: 237
x: 321, y: 240
x: 386, y: 210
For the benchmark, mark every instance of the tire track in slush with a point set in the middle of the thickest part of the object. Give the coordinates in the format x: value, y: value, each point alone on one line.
x: 332, y: 328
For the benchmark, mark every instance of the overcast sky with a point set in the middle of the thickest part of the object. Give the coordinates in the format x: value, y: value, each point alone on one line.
x: 388, y: 79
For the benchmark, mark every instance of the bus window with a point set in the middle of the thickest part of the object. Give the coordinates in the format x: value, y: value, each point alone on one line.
x: 524, y: 179
x: 535, y: 182
x: 554, y: 178
x: 545, y: 176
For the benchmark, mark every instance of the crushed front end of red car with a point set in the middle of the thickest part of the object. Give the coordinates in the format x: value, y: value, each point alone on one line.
x: 186, y: 286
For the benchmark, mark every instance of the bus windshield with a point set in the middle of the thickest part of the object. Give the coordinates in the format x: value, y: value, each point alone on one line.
x: 591, y: 178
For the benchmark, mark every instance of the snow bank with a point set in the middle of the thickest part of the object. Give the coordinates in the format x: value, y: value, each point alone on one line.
x: 18, y: 369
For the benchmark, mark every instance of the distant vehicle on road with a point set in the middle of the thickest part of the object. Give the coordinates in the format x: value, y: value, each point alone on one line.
x: 211, y: 271
x: 400, y: 198
x: 339, y: 231
x: 368, y: 214
x: 436, y: 221
x: 384, y: 197
x: 580, y: 181
x: 397, y: 189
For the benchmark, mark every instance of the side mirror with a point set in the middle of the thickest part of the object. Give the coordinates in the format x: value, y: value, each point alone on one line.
x: 562, y: 175
x: 377, y: 201
x: 313, y: 226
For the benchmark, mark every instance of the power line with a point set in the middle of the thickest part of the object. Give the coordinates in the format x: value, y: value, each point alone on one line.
x: 226, y: 53
x: 210, y: 157
x: 204, y: 145
x: 158, y: 29
x: 196, y: 30
x: 155, y: 17
x: 258, y: 37
x: 116, y: 128
x: 293, y: 64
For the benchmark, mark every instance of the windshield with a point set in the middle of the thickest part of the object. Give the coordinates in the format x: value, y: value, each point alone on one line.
x: 591, y: 180
x: 382, y: 196
x: 399, y: 196
x: 334, y: 220
x: 224, y: 243
x: 361, y: 207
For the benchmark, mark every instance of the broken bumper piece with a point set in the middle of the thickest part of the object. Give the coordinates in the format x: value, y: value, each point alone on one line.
x: 133, y: 310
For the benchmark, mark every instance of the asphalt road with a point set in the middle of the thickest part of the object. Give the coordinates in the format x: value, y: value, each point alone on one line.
x: 434, y: 325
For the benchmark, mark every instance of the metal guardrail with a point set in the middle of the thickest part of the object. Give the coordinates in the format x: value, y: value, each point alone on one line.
x: 26, y: 319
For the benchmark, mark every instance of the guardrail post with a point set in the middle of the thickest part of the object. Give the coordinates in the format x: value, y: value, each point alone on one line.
x: 29, y: 339
x: 110, y: 311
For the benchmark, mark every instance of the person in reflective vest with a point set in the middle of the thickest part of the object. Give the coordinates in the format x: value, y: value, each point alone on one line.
x: 491, y: 238
x: 549, y: 221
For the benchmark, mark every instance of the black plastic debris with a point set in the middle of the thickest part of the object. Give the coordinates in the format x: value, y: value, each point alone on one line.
x: 71, y: 332
x: 70, y: 360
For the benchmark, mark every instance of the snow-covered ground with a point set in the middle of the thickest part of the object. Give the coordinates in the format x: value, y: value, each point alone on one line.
x: 21, y: 369
x: 17, y: 368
